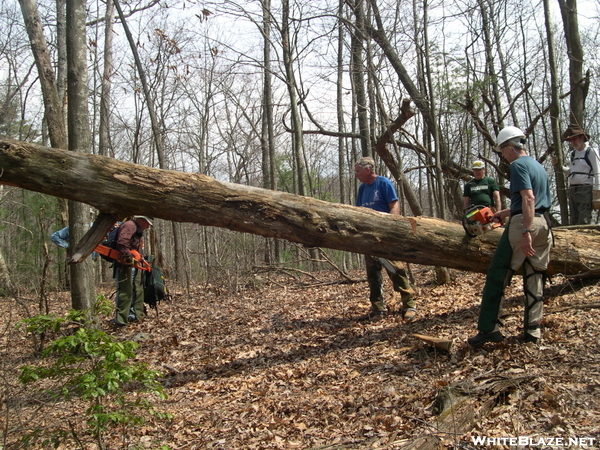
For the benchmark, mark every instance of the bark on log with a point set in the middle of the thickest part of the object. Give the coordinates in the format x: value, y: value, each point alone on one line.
x: 119, y: 188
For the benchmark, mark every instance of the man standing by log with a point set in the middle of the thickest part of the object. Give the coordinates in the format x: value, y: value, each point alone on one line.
x: 584, y: 176
x: 526, y: 242
x: 130, y: 293
x: 377, y: 192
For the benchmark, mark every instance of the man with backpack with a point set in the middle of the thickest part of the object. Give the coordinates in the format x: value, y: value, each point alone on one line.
x: 584, y: 176
x: 130, y: 291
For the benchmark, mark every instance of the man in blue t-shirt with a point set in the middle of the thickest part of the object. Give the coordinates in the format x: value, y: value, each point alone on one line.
x: 526, y: 242
x: 378, y: 193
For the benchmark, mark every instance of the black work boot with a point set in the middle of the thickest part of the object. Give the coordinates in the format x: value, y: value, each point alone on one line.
x: 481, y: 338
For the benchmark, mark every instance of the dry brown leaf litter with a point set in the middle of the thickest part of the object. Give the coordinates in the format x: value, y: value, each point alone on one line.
x: 289, y: 364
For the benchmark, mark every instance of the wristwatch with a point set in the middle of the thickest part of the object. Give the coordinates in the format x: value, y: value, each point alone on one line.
x: 525, y: 230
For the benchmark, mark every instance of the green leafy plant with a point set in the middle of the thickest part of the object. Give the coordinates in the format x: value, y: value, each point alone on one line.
x: 90, y: 365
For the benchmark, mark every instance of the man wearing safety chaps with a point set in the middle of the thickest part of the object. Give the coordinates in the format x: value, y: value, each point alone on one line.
x: 525, y: 243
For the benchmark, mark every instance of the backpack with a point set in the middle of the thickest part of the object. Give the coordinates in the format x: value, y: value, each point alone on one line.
x: 110, y: 240
x: 154, y: 287
x: 586, y: 158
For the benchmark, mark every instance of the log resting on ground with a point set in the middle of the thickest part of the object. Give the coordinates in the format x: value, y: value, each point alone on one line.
x: 119, y: 189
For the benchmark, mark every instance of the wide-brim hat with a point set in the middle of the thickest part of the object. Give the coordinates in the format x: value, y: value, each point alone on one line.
x: 146, y: 218
x: 574, y: 131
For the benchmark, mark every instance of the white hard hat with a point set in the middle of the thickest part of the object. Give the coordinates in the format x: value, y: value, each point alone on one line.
x: 508, y: 133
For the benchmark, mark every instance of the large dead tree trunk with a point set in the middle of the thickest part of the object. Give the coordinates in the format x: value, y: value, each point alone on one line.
x: 118, y: 188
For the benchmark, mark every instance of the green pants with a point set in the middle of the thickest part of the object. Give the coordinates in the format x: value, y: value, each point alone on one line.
x: 130, y: 294
x: 399, y: 279
x: 509, y: 257
x: 497, y: 278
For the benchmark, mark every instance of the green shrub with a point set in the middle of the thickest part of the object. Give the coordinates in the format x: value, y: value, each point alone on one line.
x: 90, y: 365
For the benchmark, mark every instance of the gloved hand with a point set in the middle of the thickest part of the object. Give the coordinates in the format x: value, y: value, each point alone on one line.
x: 128, y: 260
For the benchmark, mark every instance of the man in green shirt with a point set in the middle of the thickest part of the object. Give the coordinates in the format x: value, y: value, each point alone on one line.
x: 481, y: 190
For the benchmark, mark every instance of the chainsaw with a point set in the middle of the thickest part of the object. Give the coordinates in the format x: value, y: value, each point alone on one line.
x: 479, y: 219
x: 138, y: 261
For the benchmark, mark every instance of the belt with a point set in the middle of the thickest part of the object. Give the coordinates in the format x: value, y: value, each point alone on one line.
x: 538, y: 212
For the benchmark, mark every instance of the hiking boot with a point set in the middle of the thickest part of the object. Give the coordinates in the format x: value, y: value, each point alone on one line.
x: 529, y: 338
x: 482, y: 338
x: 118, y: 324
x: 376, y: 315
x: 409, y: 314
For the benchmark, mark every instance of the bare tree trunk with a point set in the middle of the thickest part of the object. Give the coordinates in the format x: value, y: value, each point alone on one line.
x: 61, y: 89
x: 82, y: 276
x: 185, y: 197
x: 342, y: 150
x: 104, y: 138
x: 6, y: 285
x: 269, y: 168
x: 147, y: 95
x: 340, y: 105
x: 61, y: 54
x: 81, y: 293
x: 52, y: 105
x: 435, y: 128
x: 357, y: 71
x: 297, y: 136
x: 579, y: 84
x: 561, y: 189
x: 494, y: 101
x: 497, y: 31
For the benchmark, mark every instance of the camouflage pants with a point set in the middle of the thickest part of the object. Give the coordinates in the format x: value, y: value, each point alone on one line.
x: 399, y: 279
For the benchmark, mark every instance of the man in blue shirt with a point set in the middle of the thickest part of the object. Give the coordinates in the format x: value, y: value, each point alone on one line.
x: 526, y: 242
x: 377, y: 192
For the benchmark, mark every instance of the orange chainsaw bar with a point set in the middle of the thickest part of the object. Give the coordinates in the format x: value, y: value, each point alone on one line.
x: 140, y: 263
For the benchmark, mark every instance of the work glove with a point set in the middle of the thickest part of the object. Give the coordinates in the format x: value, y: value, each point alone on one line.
x: 128, y: 261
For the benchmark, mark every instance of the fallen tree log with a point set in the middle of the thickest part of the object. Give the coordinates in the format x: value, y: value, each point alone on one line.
x: 119, y: 188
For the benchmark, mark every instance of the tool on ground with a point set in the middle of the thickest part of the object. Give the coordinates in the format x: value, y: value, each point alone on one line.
x: 138, y: 261
x: 479, y: 219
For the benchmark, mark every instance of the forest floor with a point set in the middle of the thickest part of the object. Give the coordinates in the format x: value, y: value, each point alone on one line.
x: 288, y: 362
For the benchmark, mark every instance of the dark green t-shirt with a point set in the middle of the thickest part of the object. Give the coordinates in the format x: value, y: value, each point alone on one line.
x: 481, y: 192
